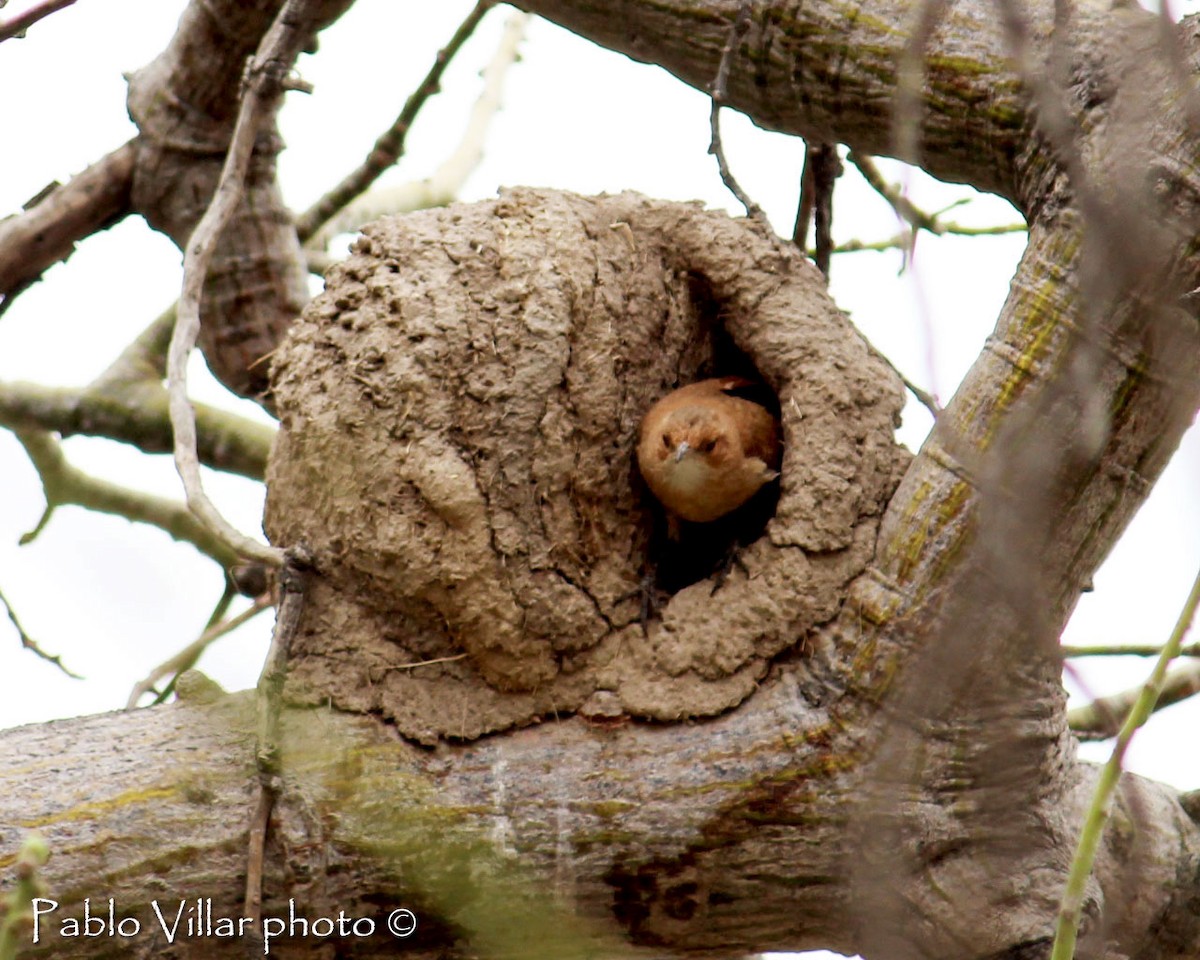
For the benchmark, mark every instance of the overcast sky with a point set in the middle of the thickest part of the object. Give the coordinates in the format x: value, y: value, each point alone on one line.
x: 115, y: 599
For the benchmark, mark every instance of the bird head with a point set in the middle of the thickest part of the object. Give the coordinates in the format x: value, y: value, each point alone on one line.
x: 694, y: 435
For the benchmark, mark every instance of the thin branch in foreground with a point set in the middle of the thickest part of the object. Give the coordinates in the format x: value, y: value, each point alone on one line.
x: 264, y: 86
x: 446, y: 182
x: 32, y: 645
x: 390, y: 146
x: 16, y: 26
x: 737, y: 30
x: 186, y: 658
x: 293, y: 577
x: 910, y: 80
x: 1071, y: 908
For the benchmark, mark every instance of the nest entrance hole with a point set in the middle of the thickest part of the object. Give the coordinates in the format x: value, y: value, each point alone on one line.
x: 705, y: 550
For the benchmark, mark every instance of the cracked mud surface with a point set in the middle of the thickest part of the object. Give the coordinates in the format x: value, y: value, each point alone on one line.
x: 459, y: 411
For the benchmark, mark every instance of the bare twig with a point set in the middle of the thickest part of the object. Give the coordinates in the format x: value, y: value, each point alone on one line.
x: 186, y: 658
x: 16, y: 26
x: 1125, y: 650
x: 292, y: 582
x: 390, y: 146
x: 32, y: 645
x: 446, y: 182
x: 737, y: 30
x: 1071, y: 909
x: 926, y: 399
x: 264, y: 89
x: 1102, y: 718
x: 905, y: 209
x: 910, y: 213
x: 64, y: 484
x: 903, y: 241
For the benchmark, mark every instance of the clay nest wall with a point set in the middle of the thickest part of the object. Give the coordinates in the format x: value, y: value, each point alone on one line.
x: 459, y: 413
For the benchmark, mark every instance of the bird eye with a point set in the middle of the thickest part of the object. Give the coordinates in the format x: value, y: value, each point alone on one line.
x: 709, y: 446
x: 666, y: 442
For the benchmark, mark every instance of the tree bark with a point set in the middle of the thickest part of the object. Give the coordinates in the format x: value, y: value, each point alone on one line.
x: 906, y: 787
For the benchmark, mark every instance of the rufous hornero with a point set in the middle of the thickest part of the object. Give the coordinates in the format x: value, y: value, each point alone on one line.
x: 704, y: 450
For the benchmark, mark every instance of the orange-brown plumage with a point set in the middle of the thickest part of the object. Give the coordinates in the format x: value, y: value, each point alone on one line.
x: 705, y: 451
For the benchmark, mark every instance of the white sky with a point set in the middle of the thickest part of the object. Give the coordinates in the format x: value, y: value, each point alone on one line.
x: 115, y: 599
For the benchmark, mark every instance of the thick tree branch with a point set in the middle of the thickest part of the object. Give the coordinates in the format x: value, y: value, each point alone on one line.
x: 184, y: 104
x: 828, y: 74
x: 48, y: 230
x: 628, y: 830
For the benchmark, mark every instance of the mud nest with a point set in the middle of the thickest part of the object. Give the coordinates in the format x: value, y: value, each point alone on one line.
x: 459, y: 412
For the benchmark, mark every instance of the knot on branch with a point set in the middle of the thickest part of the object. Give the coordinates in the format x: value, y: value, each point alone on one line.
x: 459, y: 412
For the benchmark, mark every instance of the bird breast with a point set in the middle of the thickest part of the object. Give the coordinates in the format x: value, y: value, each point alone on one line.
x: 699, y: 490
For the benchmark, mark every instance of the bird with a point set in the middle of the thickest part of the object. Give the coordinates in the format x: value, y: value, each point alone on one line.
x: 705, y: 449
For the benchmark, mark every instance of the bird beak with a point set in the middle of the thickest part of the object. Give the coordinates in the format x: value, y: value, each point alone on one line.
x: 681, y: 450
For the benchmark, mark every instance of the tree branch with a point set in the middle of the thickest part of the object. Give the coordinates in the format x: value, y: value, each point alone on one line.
x: 664, y: 824
x: 446, y: 182
x: 16, y: 26
x: 903, y: 241
x: 826, y: 76
x: 1125, y: 650
x: 185, y: 103
x: 64, y: 484
x: 137, y: 414
x: 1102, y: 718
x: 261, y: 98
x: 46, y: 233
x: 1100, y: 810
x: 32, y: 645
x: 718, y: 92
x: 389, y: 148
